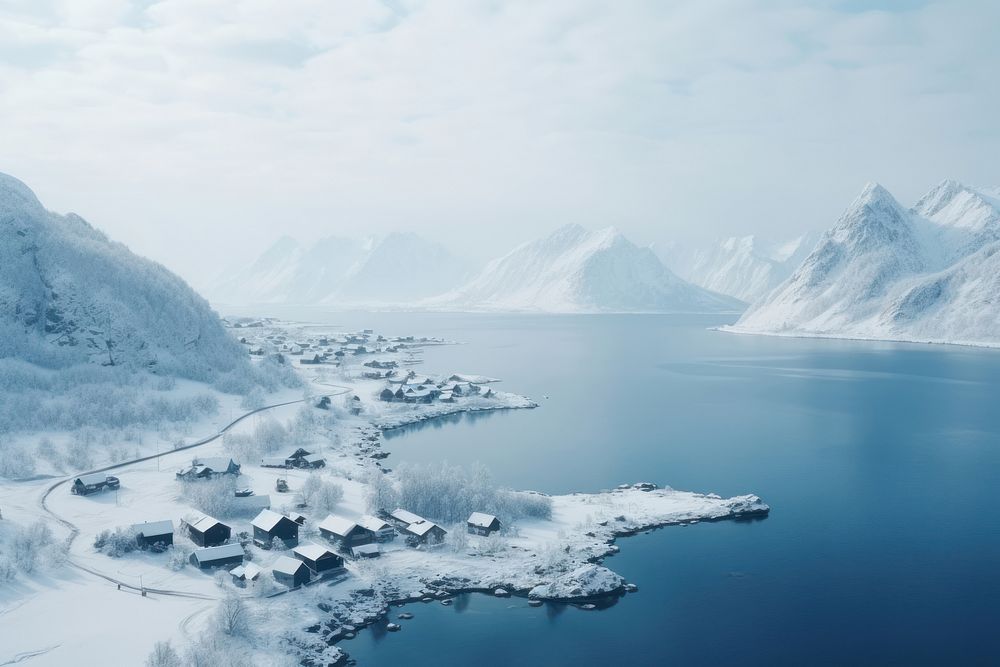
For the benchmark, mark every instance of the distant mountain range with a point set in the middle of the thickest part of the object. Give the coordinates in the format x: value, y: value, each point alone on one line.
x: 930, y: 273
x: 576, y: 270
x: 69, y: 295
x: 745, y: 268
x: 395, y: 270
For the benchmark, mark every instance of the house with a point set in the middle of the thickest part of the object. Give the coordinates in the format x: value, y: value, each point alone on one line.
x: 366, y: 551
x: 378, y: 363
x: 345, y: 533
x: 269, y: 525
x: 387, y: 394
x: 425, y: 532
x: 228, y: 554
x: 154, y: 532
x: 84, y: 485
x: 208, y: 532
x: 403, y: 518
x: 382, y: 530
x: 290, y: 571
x: 294, y: 460
x: 318, y: 558
x: 482, y: 524
x: 218, y: 465
x: 244, y: 573
x: 274, y: 462
x: 297, y: 518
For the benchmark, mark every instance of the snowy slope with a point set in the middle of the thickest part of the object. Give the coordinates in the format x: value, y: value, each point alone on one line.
x: 393, y: 270
x: 70, y: 295
x: 575, y: 270
x: 746, y: 267
x: 924, y: 274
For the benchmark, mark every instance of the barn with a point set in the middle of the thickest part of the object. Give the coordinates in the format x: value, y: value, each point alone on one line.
x: 425, y: 532
x: 345, y: 533
x: 154, y: 532
x: 482, y: 524
x: 382, y: 530
x: 84, y: 485
x: 228, y: 554
x: 318, y: 558
x: 403, y: 518
x: 269, y: 525
x: 246, y: 572
x: 290, y: 571
x: 208, y: 532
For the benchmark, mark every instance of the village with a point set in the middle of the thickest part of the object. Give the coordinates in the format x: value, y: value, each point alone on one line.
x: 292, y: 511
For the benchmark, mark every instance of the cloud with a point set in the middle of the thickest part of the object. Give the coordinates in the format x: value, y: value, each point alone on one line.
x: 181, y: 126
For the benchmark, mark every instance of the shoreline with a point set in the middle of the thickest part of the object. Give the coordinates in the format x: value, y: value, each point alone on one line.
x: 730, y: 329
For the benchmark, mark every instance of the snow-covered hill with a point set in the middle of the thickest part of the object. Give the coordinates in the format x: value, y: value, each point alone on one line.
x: 575, y: 270
x: 746, y: 267
x: 391, y: 271
x: 929, y: 273
x: 69, y: 295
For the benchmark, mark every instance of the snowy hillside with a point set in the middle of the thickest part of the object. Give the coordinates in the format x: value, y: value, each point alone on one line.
x: 69, y: 295
x: 393, y: 270
x: 746, y: 268
x: 929, y: 273
x: 575, y: 270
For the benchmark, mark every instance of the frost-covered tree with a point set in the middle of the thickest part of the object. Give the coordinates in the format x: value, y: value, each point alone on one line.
x: 321, y: 494
x: 380, y: 493
x: 164, y: 655
x: 231, y: 616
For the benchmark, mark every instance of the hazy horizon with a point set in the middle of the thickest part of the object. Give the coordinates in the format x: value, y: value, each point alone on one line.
x: 181, y: 128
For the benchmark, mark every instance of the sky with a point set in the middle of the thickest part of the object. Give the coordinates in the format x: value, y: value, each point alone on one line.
x: 199, y: 131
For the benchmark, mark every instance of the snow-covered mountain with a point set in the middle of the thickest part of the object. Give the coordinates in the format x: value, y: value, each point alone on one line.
x: 394, y: 270
x: 746, y: 267
x: 69, y: 295
x: 929, y: 273
x: 575, y: 270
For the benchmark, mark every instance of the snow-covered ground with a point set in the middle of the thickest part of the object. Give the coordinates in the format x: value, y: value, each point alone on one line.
x: 71, y: 604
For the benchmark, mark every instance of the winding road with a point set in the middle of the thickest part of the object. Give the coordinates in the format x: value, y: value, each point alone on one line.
x: 74, y: 530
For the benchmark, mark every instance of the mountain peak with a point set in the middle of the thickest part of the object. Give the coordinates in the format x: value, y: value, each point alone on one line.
x: 14, y: 194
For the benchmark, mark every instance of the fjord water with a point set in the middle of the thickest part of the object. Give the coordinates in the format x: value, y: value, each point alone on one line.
x: 880, y: 461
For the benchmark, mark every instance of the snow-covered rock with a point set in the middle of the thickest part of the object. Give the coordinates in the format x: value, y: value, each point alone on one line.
x: 576, y: 270
x: 925, y: 274
x: 392, y: 270
x: 745, y: 268
x: 69, y: 295
x: 586, y: 581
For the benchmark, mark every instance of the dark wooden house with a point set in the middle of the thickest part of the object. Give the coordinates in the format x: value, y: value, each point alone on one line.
x: 84, y: 485
x: 482, y: 524
x: 290, y: 571
x: 269, y: 525
x: 318, y: 558
x: 208, y: 532
x: 154, y: 532
x: 226, y: 555
x: 345, y: 533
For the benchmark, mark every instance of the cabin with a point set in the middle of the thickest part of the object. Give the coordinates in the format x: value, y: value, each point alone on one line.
x: 274, y: 462
x: 290, y: 571
x: 84, y: 485
x: 345, y: 533
x: 243, y: 573
x: 382, y: 530
x: 387, y: 395
x: 318, y: 558
x: 269, y: 525
x: 366, y: 551
x: 482, y: 524
x: 211, y: 557
x: 294, y: 459
x: 151, y: 533
x: 208, y: 532
x: 312, y: 461
x: 209, y: 468
x: 425, y: 532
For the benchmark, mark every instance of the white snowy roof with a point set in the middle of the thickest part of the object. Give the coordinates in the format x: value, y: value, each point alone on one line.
x: 247, y: 571
x: 311, y: 551
x: 406, y: 516
x: 365, y: 549
x: 203, y: 523
x: 93, y: 478
x: 267, y: 520
x: 422, y: 528
x: 482, y: 520
x: 213, y: 553
x: 287, y: 565
x: 372, y: 523
x: 150, y: 528
x: 273, y: 460
x: 337, y: 525
x: 217, y: 463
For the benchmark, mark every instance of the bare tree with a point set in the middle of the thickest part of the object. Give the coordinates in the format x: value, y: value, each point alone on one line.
x: 163, y: 655
x: 231, y: 617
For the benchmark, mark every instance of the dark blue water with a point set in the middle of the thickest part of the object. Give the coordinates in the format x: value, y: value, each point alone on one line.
x: 881, y: 463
